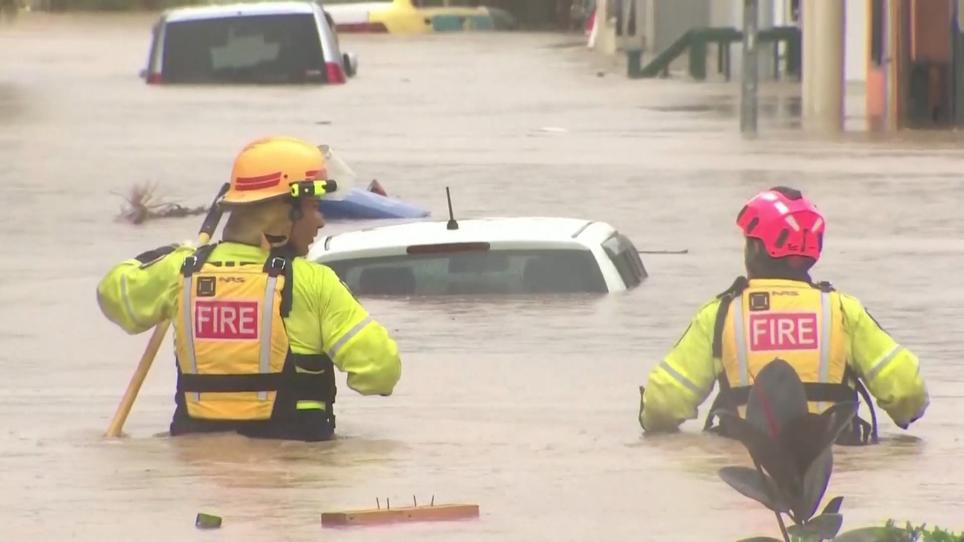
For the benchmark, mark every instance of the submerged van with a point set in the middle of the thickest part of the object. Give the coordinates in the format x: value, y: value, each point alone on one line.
x: 262, y: 42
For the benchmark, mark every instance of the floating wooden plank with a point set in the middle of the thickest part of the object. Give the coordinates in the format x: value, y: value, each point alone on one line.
x: 377, y: 516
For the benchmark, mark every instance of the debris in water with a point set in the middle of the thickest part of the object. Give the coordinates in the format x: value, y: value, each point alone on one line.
x: 377, y: 188
x: 207, y: 521
x: 379, y: 515
x: 143, y: 203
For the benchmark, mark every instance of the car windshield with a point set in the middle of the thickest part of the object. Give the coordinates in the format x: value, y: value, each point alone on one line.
x: 256, y: 49
x: 475, y: 272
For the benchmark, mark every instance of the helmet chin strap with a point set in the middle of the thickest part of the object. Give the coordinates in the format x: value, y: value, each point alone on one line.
x: 269, y: 242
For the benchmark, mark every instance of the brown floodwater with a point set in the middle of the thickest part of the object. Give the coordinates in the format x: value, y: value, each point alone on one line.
x: 525, y: 406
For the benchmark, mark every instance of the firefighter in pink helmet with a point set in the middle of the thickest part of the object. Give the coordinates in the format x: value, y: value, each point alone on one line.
x: 777, y: 312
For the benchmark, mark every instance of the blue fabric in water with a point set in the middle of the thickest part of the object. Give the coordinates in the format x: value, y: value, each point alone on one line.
x: 362, y: 204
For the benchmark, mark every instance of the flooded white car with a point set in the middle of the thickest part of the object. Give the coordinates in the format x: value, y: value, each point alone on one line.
x: 513, y: 255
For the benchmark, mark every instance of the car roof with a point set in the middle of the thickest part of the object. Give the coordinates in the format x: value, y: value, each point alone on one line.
x: 529, y: 231
x: 239, y: 10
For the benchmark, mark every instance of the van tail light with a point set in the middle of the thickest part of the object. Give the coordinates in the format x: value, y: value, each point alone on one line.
x: 336, y: 75
x: 154, y: 79
x: 377, y: 28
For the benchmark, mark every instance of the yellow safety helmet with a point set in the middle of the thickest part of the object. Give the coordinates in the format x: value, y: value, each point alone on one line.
x: 275, y: 167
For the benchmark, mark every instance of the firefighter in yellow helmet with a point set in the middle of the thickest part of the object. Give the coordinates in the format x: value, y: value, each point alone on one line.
x: 837, y: 349
x: 258, y: 328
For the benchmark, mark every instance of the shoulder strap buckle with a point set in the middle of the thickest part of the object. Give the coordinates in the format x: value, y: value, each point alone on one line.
x: 276, y: 266
x: 824, y: 286
x: 195, y: 261
x: 189, y: 266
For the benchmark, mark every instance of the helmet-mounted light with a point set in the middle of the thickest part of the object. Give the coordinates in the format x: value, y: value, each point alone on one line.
x: 315, y: 188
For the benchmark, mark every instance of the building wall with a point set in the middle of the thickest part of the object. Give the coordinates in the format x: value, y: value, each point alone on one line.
x: 672, y: 18
x: 855, y: 59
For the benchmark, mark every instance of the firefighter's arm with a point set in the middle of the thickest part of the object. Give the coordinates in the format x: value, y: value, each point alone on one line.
x: 680, y: 383
x: 138, y: 293
x: 355, y: 342
x: 890, y: 371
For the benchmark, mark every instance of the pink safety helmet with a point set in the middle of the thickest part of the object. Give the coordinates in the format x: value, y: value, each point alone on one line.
x: 785, y: 222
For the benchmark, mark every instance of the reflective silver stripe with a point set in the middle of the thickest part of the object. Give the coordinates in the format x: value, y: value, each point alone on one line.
x: 267, y: 318
x: 883, y: 362
x: 186, y: 306
x: 686, y: 382
x: 351, y: 333
x: 825, y: 336
x: 739, y: 328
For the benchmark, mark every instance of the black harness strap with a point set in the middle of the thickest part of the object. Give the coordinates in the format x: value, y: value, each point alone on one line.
x: 726, y: 297
x: 193, y: 263
x: 279, y: 262
x: 723, y: 397
x: 231, y: 383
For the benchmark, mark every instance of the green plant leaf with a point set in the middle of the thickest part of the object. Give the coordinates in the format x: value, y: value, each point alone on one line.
x: 815, y: 482
x: 776, y: 461
x: 759, y: 487
x: 872, y: 534
x: 760, y: 539
x: 833, y: 507
x: 818, y: 528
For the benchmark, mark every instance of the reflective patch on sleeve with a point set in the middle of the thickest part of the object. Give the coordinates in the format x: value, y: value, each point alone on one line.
x: 884, y: 361
x: 683, y: 381
x: 347, y: 336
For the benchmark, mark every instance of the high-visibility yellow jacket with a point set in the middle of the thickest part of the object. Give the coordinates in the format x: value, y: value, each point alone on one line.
x: 324, y: 317
x: 679, y: 384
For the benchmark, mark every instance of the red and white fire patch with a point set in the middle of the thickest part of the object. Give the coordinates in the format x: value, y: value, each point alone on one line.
x: 783, y: 331
x: 226, y: 320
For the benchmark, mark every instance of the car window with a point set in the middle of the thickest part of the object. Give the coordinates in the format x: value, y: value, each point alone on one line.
x: 256, y: 49
x: 625, y: 257
x: 477, y: 272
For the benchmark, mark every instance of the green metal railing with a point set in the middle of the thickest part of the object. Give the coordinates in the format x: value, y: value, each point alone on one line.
x: 697, y: 41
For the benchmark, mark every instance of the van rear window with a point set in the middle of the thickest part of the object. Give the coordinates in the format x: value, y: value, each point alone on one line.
x: 473, y: 272
x: 250, y: 49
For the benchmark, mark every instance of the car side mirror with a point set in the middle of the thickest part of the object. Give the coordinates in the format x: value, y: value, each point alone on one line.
x: 351, y: 64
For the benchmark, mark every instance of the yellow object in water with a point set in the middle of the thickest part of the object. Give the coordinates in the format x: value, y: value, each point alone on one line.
x: 403, y: 17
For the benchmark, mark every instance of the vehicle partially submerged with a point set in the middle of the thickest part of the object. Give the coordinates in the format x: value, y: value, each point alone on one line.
x: 521, y: 255
x: 271, y: 42
x: 418, y: 16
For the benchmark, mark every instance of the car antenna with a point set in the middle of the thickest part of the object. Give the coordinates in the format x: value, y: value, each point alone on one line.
x: 452, y: 225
